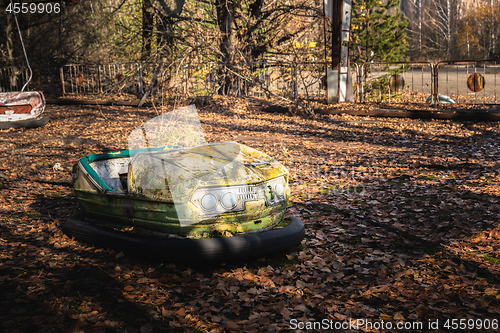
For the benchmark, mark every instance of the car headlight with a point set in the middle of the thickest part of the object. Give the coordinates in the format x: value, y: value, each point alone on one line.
x: 229, y: 200
x: 280, y: 189
x: 208, y: 202
x: 275, y: 190
x: 225, y: 199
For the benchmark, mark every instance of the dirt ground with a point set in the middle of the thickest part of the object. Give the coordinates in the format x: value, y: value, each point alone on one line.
x: 401, y: 215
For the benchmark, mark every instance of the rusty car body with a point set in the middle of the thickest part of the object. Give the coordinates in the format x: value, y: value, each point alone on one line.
x: 22, y: 109
x: 192, y: 197
x: 225, y: 196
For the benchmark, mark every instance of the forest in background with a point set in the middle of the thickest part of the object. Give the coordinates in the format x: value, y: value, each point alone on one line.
x: 238, y: 32
x: 452, y: 29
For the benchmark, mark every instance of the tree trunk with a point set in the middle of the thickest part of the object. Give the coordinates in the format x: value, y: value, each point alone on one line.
x: 448, y: 29
x: 419, y: 26
x: 164, y: 34
x: 226, y: 23
x: 493, y: 26
x: 7, y: 31
x: 147, y: 28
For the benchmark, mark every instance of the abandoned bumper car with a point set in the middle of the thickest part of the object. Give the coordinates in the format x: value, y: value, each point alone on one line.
x: 22, y: 109
x: 173, y: 196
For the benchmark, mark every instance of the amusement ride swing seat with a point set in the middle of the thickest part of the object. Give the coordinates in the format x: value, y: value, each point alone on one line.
x: 22, y: 108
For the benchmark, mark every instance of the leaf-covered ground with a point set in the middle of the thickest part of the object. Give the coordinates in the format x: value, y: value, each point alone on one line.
x: 402, y: 226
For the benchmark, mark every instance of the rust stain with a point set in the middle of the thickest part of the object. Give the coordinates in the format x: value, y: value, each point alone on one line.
x: 396, y: 83
x: 475, y: 82
x: 18, y: 109
x: 79, y: 79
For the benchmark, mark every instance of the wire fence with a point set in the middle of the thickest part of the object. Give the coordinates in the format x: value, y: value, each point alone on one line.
x: 464, y: 82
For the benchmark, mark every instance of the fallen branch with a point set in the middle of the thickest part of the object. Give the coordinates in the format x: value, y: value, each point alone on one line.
x: 151, y: 86
x: 441, y: 114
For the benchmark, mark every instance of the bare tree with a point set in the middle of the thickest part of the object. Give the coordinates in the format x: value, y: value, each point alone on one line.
x: 433, y: 26
x: 479, y: 29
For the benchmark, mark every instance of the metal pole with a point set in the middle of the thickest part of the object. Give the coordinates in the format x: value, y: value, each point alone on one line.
x: 341, y: 26
x: 326, y: 57
x: 61, y: 76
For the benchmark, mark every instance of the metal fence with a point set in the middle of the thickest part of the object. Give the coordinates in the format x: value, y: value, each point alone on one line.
x: 474, y: 82
x: 465, y: 82
x: 13, y: 78
x: 403, y: 82
x: 311, y: 80
x: 287, y: 79
x: 469, y: 82
x: 99, y: 79
x: 192, y: 79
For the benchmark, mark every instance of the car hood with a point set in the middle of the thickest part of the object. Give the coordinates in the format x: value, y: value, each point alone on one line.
x: 176, y: 174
